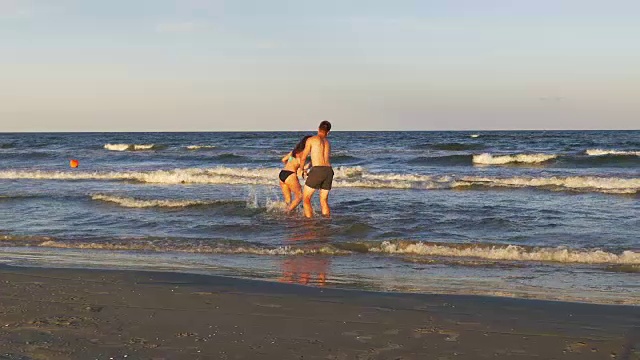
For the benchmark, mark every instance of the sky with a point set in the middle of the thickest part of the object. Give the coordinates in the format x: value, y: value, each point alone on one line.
x: 219, y: 65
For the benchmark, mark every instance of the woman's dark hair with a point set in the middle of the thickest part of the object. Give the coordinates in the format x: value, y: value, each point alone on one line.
x: 300, y: 147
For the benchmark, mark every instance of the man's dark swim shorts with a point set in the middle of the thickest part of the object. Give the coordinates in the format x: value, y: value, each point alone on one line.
x: 320, y: 177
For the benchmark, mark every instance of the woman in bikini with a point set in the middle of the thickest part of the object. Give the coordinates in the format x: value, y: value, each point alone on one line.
x: 293, y: 165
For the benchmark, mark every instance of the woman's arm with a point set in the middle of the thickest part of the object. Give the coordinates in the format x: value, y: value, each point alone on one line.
x: 286, y: 158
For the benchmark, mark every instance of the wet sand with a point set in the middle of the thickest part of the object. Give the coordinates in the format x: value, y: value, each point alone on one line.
x: 98, y: 314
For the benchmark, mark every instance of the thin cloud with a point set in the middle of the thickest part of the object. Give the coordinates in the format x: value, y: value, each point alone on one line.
x: 401, y: 24
x: 16, y: 9
x: 267, y: 45
x: 185, y: 27
x: 552, y: 98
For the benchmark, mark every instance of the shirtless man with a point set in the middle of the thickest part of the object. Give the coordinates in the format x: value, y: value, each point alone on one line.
x: 321, y: 174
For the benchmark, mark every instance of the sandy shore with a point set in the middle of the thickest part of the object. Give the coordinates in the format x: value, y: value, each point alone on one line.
x: 96, y: 314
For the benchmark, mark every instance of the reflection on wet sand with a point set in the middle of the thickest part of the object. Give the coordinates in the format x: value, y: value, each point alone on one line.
x: 306, y: 270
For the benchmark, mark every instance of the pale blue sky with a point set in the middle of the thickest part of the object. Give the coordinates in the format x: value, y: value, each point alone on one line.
x: 89, y: 65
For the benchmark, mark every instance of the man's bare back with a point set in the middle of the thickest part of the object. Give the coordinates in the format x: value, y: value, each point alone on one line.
x: 320, y: 151
x: 321, y: 174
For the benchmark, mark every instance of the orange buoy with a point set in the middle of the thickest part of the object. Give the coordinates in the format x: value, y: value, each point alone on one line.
x: 74, y: 163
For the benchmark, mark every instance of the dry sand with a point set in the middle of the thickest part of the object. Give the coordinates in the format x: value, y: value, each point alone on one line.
x: 98, y: 314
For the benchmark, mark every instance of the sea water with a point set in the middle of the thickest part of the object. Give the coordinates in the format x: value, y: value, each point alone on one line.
x: 534, y: 214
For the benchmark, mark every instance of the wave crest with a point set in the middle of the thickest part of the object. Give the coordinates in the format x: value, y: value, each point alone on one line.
x: 419, y: 250
x: 601, y: 152
x: 201, y: 147
x: 130, y: 147
x: 152, y: 203
x: 350, y: 177
x: 488, y: 159
x: 200, y: 248
x: 508, y: 252
x: 572, y: 183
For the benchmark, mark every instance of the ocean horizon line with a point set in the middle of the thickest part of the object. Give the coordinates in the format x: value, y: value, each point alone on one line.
x: 301, y: 131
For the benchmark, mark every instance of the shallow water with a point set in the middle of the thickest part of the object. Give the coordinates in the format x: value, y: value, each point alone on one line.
x: 551, y: 215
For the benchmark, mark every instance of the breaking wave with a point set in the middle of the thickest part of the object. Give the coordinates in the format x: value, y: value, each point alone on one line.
x: 488, y: 159
x: 201, y: 147
x: 131, y: 147
x: 344, y: 177
x: 606, y: 160
x: 550, y: 160
x: 200, y: 249
x: 494, y: 252
x: 508, y: 252
x: 152, y: 203
x: 172, y: 245
x: 601, y: 152
x: 572, y: 183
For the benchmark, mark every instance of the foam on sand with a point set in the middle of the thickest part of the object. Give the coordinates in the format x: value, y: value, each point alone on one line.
x: 130, y: 147
x: 488, y: 159
x: 601, y: 152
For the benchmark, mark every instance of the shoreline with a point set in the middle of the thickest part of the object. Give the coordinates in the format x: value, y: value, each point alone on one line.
x: 319, y: 270
x: 62, y: 313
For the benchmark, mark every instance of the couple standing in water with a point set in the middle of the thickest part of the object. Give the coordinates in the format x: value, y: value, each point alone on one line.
x: 320, y: 177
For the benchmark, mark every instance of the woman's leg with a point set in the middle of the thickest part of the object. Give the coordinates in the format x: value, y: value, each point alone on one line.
x: 286, y: 192
x: 294, y: 185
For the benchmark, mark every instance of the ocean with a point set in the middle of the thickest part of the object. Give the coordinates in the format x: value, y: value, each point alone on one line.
x: 550, y: 215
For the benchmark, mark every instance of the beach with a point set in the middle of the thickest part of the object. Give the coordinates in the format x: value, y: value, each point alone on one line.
x: 48, y: 313
x: 441, y: 245
x: 335, y: 180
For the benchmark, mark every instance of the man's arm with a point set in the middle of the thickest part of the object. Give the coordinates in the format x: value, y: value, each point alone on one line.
x: 327, y: 152
x: 305, y: 152
x: 305, y: 169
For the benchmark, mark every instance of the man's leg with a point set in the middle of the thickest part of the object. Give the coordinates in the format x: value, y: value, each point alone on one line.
x: 324, y: 202
x: 306, y: 202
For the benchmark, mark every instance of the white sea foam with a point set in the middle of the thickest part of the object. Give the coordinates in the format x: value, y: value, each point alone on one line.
x: 475, y: 135
x: 344, y: 177
x: 505, y: 252
x: 601, y: 152
x: 573, y: 183
x: 220, y: 175
x: 488, y: 159
x: 510, y: 253
x: 276, y: 206
x: 129, y: 147
x: 201, y: 248
x: 140, y: 203
x: 201, y: 147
